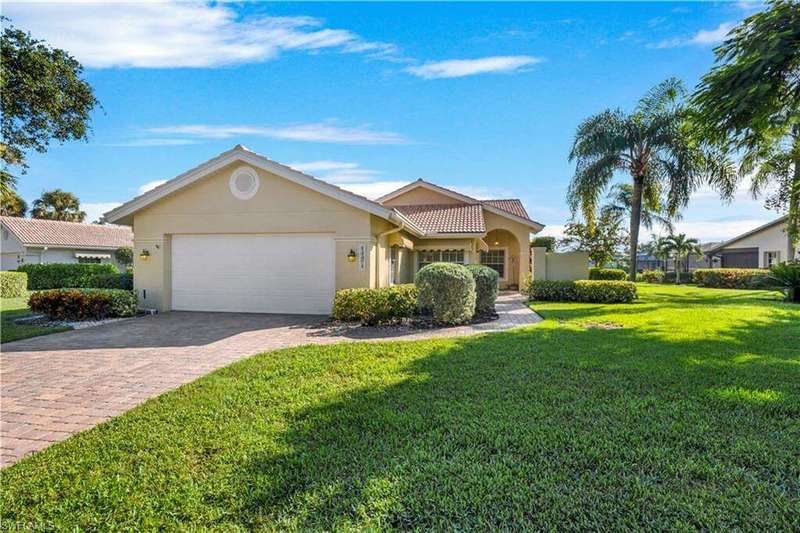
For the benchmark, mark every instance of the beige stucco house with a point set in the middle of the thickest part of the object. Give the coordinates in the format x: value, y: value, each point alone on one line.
x: 244, y: 233
x: 761, y: 247
x: 26, y: 241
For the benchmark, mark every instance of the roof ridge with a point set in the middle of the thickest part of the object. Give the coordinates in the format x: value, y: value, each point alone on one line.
x: 50, y: 221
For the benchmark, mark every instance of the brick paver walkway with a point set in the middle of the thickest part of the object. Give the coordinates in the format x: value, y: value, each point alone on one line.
x: 60, y: 384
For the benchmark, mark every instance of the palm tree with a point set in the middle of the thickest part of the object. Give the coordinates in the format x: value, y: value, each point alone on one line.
x: 58, y: 205
x: 682, y: 247
x: 653, y: 147
x: 620, y: 200
x: 657, y: 247
x: 12, y: 204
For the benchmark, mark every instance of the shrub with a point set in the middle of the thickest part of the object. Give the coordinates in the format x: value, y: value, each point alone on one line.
x: 64, y: 275
x: 730, y: 278
x: 651, y: 276
x: 13, y: 284
x: 83, y: 304
x: 447, y: 291
x: 686, y: 277
x: 595, y: 291
x: 608, y: 273
x: 605, y: 291
x: 375, y: 306
x: 124, y: 255
x: 123, y: 280
x: 785, y: 277
x: 485, y: 288
x: 549, y: 290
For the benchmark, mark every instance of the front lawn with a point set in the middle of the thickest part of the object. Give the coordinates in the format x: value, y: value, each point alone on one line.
x: 13, y: 308
x: 680, y: 411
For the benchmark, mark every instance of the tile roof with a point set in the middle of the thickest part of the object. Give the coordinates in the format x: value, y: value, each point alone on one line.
x: 511, y: 205
x: 439, y: 218
x: 38, y: 232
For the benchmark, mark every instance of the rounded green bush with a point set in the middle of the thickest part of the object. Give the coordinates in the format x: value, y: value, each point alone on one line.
x: 485, y: 288
x: 447, y: 291
x: 608, y: 274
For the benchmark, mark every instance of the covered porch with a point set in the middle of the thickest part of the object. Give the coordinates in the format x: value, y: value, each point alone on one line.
x: 498, y: 249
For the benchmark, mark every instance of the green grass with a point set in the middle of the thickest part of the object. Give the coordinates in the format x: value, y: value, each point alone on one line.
x: 687, y: 416
x: 13, y: 308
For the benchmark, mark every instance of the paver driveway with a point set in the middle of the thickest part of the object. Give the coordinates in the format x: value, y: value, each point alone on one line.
x: 57, y: 385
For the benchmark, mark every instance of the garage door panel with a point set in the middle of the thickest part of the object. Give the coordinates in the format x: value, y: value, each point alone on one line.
x: 253, y: 273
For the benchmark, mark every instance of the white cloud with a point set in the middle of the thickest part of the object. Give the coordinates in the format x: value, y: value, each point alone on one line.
x: 714, y: 36
x: 552, y: 230
x: 479, y: 192
x: 316, y: 166
x: 356, y: 175
x: 95, y: 210
x: 143, y: 143
x: 375, y: 189
x: 701, y: 38
x: 457, y: 68
x: 750, y: 6
x: 153, y: 34
x: 717, y: 230
x: 151, y: 185
x: 326, y: 132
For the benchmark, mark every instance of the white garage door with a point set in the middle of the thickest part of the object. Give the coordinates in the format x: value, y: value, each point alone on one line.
x: 253, y: 273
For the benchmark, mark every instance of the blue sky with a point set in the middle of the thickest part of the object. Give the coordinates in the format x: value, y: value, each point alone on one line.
x: 484, y: 98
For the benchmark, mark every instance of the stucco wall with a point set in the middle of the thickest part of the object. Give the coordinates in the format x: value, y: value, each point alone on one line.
x: 772, y: 239
x: 559, y: 266
x: 279, y: 206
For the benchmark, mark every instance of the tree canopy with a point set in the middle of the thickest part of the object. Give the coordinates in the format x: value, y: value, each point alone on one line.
x: 603, y: 240
x: 749, y: 102
x: 12, y: 205
x: 42, y: 98
x: 58, y: 205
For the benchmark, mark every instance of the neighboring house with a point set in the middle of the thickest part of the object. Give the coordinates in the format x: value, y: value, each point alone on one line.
x: 244, y: 233
x: 758, y: 248
x: 33, y: 240
x: 688, y: 264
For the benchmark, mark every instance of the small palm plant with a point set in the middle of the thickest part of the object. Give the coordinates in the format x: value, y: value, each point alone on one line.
x: 785, y: 277
x: 682, y: 247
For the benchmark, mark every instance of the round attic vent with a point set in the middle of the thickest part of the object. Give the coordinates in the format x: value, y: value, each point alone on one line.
x: 244, y: 183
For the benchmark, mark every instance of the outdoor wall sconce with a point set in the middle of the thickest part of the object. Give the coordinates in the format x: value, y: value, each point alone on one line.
x: 351, y: 257
x: 144, y: 255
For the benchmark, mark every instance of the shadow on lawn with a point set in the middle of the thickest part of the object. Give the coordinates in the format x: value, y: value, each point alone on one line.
x: 484, y: 434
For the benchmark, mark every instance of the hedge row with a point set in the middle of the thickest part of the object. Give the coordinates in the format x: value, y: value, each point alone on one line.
x: 375, y: 306
x: 123, y: 280
x: 451, y: 293
x: 730, y: 278
x: 651, y: 276
x: 607, y: 274
x: 65, y: 275
x: 83, y: 304
x: 595, y: 291
x: 13, y: 284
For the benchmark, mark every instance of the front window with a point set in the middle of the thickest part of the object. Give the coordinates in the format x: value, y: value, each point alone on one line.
x: 426, y: 257
x: 495, y: 259
x: 89, y: 260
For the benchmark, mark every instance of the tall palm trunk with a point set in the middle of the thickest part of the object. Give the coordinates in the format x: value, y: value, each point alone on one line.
x: 636, y: 217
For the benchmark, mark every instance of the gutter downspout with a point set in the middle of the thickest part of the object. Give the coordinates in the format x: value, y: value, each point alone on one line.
x: 377, y: 244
